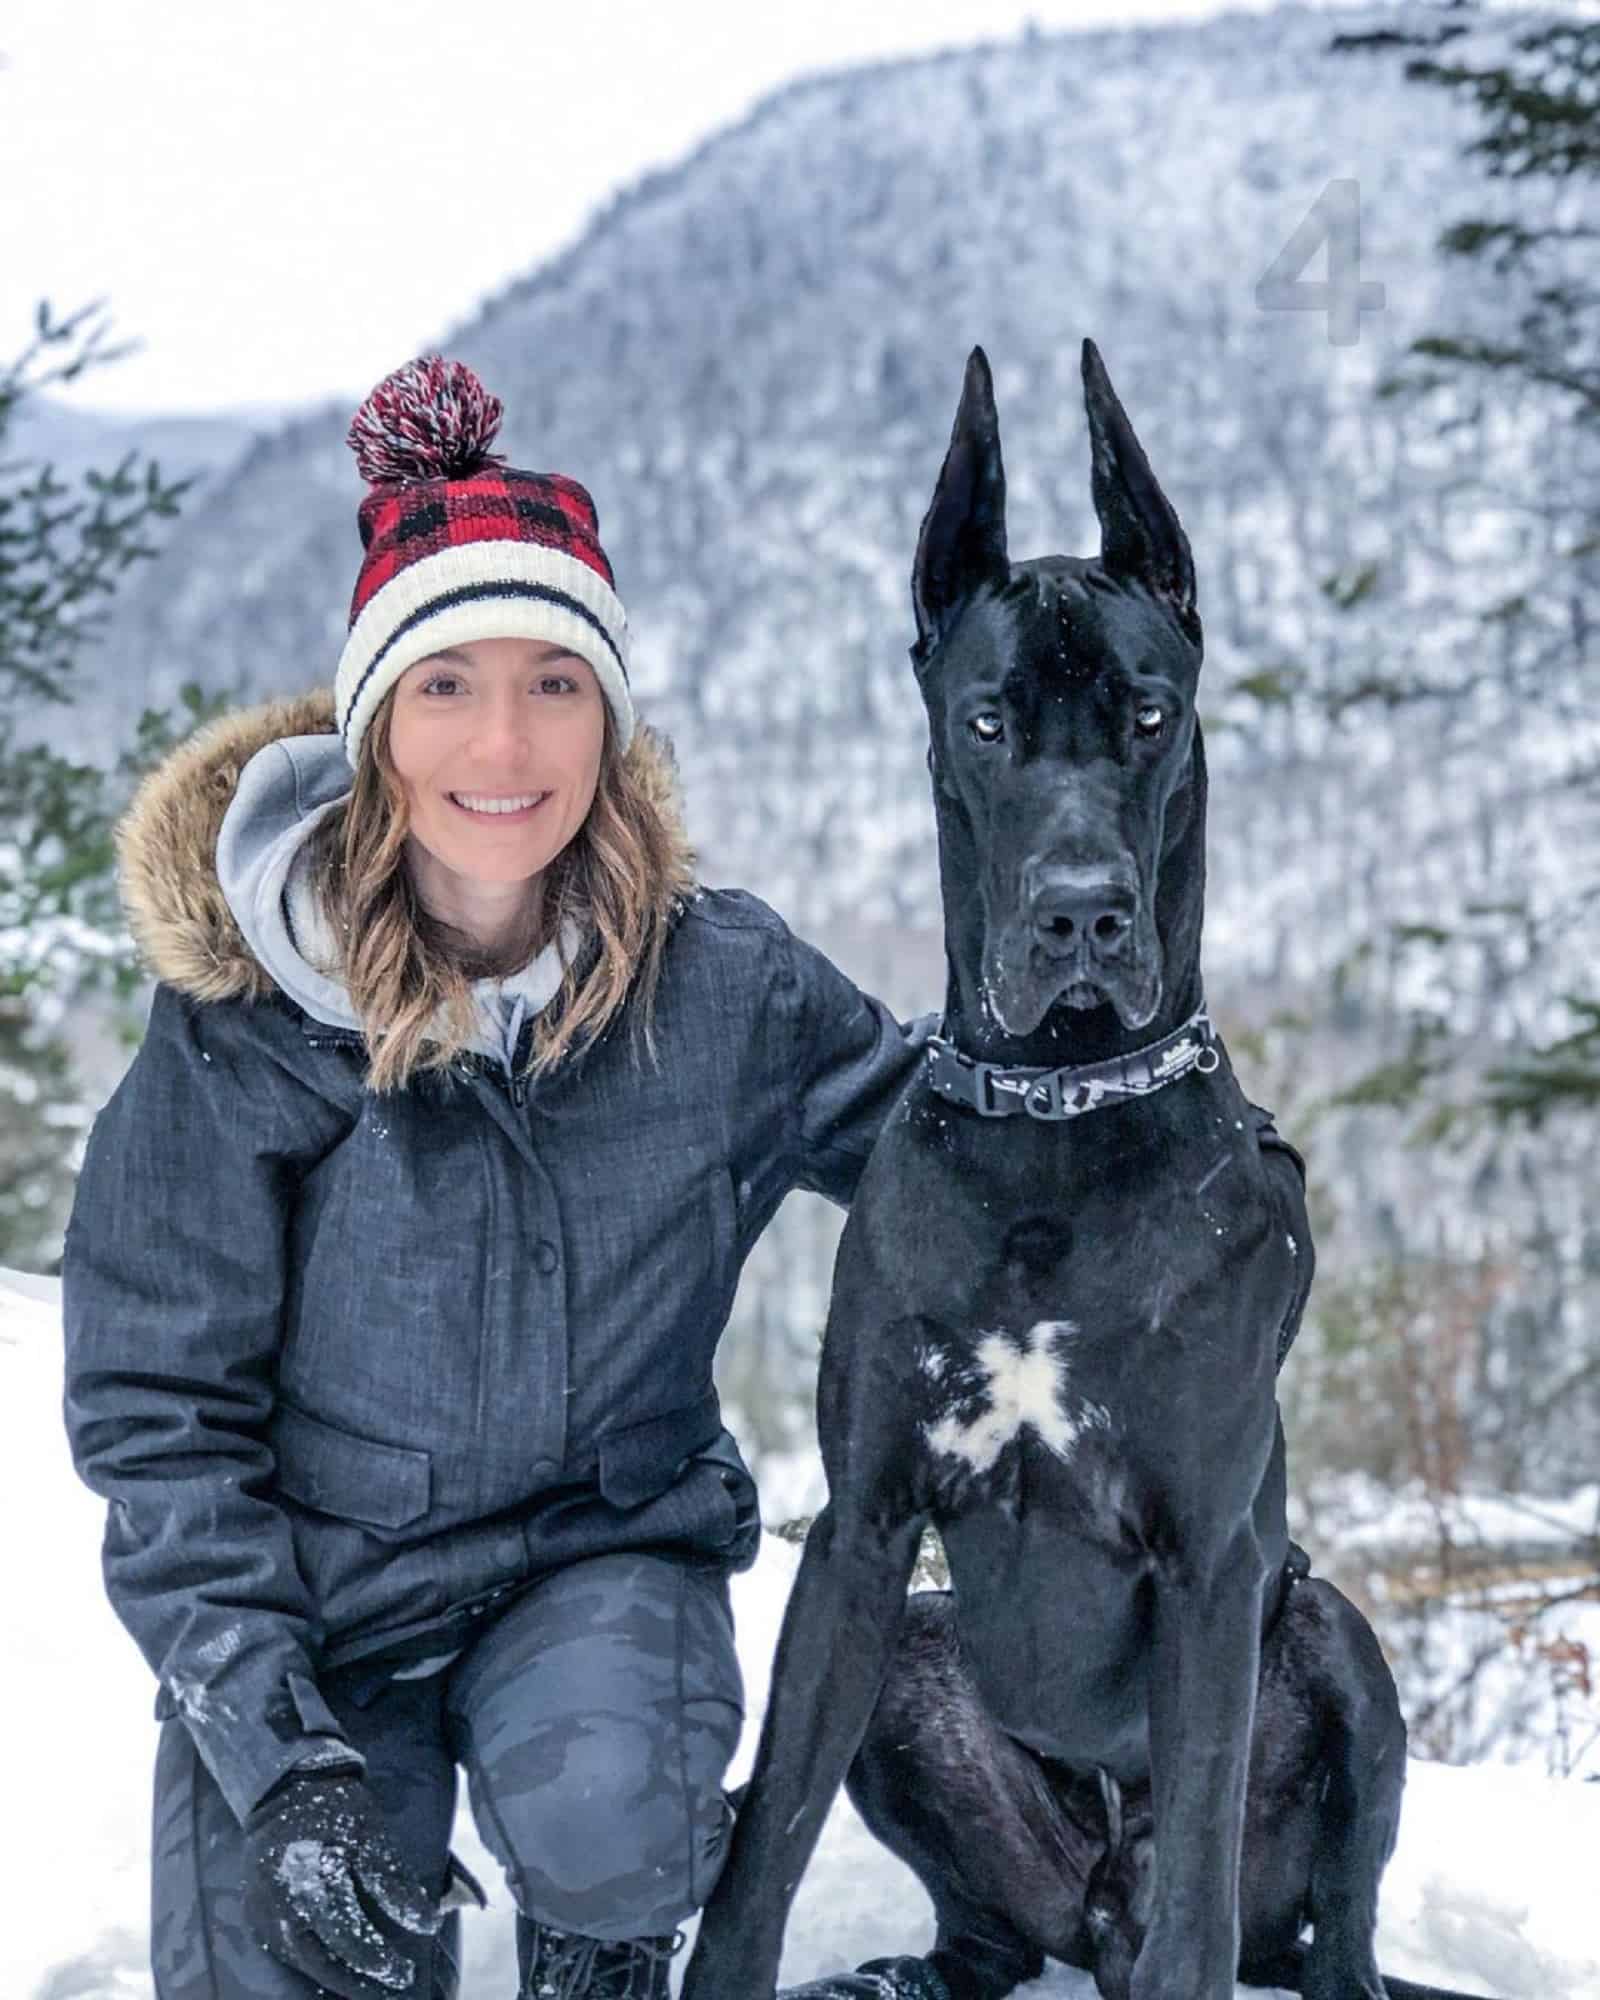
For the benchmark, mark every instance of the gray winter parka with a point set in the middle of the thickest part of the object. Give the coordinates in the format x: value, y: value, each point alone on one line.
x: 350, y: 1368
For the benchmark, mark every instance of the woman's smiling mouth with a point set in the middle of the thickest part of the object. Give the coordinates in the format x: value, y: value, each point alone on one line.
x: 485, y: 805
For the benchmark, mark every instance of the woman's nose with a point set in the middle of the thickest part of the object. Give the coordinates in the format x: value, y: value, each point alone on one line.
x: 504, y: 729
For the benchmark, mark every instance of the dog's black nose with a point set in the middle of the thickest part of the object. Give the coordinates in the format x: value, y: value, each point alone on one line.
x: 1072, y: 909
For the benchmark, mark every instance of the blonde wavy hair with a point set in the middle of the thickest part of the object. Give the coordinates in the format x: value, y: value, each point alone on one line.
x: 409, y: 974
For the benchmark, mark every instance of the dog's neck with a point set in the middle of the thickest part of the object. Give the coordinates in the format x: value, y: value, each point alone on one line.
x: 1066, y: 1034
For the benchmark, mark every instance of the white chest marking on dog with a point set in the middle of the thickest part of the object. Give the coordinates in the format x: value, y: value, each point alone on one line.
x: 1025, y: 1387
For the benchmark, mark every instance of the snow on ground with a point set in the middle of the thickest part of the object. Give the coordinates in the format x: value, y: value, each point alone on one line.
x: 1412, y: 1519
x: 1480, y: 1601
x: 1491, y: 1890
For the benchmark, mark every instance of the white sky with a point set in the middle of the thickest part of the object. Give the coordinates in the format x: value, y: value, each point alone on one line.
x: 283, y: 201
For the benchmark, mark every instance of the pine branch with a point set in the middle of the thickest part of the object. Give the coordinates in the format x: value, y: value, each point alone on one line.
x: 1543, y: 118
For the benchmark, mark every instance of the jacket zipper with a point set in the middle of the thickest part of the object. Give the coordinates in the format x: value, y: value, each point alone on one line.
x: 514, y: 1077
x: 511, y: 1080
x: 516, y: 1082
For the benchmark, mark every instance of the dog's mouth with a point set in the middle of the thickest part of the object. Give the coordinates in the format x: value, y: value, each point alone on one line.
x: 1023, y: 983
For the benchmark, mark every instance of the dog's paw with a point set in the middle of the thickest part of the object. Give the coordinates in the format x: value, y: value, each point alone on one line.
x: 902, y: 1978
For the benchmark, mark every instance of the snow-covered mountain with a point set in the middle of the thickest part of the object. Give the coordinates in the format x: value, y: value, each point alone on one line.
x: 753, y: 360
x: 48, y: 428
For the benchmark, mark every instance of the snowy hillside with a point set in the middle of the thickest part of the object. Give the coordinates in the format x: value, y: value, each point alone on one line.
x: 1491, y: 1890
x: 202, y: 448
x: 753, y: 360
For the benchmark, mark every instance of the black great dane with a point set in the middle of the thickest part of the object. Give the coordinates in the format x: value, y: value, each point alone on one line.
x: 1072, y: 1268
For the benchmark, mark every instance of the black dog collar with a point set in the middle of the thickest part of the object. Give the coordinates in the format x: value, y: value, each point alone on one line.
x: 994, y: 1091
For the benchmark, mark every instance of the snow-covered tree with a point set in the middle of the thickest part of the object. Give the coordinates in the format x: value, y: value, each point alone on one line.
x: 1536, y: 335
x: 62, y: 556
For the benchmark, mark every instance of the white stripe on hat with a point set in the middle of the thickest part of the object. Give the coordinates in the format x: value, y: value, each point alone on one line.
x: 482, y: 590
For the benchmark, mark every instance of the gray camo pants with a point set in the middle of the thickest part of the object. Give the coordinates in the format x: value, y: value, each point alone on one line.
x: 594, y: 1718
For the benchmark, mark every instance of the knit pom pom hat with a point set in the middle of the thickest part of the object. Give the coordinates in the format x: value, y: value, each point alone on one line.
x: 461, y: 546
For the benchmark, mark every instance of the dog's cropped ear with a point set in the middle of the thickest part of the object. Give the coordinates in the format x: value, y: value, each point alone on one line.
x: 1140, y: 535
x: 962, y: 545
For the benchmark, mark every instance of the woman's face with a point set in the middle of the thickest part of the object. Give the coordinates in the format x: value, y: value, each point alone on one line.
x: 497, y: 722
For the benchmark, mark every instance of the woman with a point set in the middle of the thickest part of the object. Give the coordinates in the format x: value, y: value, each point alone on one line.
x: 400, y: 1255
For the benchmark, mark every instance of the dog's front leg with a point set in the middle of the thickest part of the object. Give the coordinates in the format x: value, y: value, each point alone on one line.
x: 1202, y: 1708
x: 838, y: 1632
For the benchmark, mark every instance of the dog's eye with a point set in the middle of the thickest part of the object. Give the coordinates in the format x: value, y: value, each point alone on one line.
x: 987, y: 726
x: 1150, y: 720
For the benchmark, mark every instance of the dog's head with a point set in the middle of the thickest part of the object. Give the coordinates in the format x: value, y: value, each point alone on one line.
x: 1060, y: 696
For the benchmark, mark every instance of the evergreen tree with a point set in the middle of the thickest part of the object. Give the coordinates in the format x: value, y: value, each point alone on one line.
x: 1539, y: 127
x: 62, y: 555
x: 1505, y: 1357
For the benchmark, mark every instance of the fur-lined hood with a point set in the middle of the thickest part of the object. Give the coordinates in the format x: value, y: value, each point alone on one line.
x: 188, y: 931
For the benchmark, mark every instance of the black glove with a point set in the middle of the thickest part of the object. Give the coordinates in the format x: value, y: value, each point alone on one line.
x: 326, y: 1892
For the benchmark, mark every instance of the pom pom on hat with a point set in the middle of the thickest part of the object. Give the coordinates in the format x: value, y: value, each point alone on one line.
x: 431, y: 419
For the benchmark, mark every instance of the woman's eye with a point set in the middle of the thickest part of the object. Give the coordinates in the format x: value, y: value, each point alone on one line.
x: 1150, y: 720
x: 435, y: 682
x: 987, y: 726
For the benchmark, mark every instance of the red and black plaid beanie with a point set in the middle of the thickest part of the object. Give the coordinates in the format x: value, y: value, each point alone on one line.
x: 461, y: 546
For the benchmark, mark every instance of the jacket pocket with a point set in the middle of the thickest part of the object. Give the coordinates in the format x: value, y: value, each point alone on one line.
x: 333, y: 1471
x: 642, y: 1460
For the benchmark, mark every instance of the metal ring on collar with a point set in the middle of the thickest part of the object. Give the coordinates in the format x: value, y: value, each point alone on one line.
x: 1043, y: 1099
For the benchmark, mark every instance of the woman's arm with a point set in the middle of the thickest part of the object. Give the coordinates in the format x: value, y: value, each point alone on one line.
x: 173, y: 1285
x: 852, y: 1060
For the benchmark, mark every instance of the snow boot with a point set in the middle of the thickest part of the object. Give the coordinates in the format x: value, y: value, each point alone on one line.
x: 902, y: 1978
x: 565, y: 1965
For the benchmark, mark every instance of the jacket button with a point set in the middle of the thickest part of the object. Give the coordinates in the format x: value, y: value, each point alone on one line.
x: 544, y: 1256
x: 508, y: 1551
